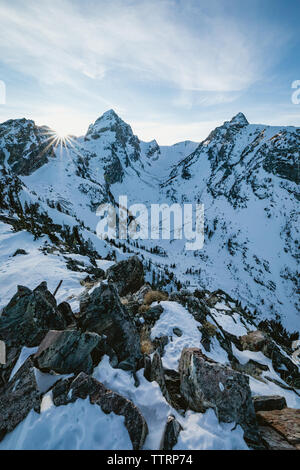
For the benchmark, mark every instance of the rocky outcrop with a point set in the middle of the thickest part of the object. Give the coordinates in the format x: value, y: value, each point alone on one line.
x: 11, y: 356
x: 207, y: 384
x: 18, y: 397
x: 171, y: 433
x: 110, y: 402
x: 285, y: 423
x: 29, y: 316
x: 103, y: 313
x: 260, y: 341
x: 269, y: 403
x: 66, y: 352
x: 24, y: 146
x: 127, y: 275
x: 254, y: 341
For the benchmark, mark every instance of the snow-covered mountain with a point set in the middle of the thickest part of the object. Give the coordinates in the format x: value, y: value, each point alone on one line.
x: 110, y: 339
x: 246, y: 175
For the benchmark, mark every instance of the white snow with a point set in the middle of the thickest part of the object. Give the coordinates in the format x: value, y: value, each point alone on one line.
x: 77, y: 426
x: 174, y: 315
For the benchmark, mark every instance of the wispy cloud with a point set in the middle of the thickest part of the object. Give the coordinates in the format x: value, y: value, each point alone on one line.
x: 64, y: 41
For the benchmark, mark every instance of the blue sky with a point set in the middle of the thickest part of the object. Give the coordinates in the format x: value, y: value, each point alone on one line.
x: 172, y: 69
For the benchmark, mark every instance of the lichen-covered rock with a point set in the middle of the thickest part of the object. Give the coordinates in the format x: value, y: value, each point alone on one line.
x: 171, y: 433
x: 110, y: 402
x: 207, y: 384
x: 103, y: 313
x: 127, y: 275
x: 66, y: 352
x: 29, y: 316
x: 18, y: 397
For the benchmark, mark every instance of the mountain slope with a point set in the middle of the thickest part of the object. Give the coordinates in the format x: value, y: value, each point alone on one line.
x: 246, y: 176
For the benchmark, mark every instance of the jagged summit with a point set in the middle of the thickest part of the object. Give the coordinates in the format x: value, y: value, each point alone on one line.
x: 109, y: 121
x: 239, y: 119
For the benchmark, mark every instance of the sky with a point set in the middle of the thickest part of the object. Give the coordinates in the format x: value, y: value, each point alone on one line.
x: 172, y: 69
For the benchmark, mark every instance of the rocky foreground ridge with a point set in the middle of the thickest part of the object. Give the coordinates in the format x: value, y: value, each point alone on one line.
x: 201, y: 351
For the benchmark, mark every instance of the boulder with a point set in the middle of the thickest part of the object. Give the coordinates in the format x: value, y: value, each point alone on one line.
x: 171, y: 433
x: 269, y: 403
x: 208, y: 384
x: 66, y: 312
x: 18, y: 397
x: 153, y: 314
x: 11, y: 356
x: 103, y: 313
x: 177, y: 331
x: 66, y: 352
x: 127, y: 275
x: 285, y: 422
x: 28, y: 316
x: 254, y: 341
x: 110, y: 402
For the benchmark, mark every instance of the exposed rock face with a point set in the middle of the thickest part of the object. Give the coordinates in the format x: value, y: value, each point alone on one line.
x: 12, y: 354
x: 110, y: 402
x: 28, y: 317
x: 171, y: 433
x: 24, y: 146
x: 269, y: 403
x: 254, y: 341
x: 18, y: 397
x: 68, y: 351
x: 103, y: 313
x: 127, y: 275
x: 120, y: 148
x: 285, y: 422
x: 207, y: 384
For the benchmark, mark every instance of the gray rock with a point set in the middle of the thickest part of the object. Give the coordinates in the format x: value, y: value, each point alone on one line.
x: 28, y: 316
x: 66, y: 352
x: 154, y: 313
x: 103, y: 313
x: 127, y: 275
x: 18, y: 397
x: 157, y: 374
x: 171, y: 433
x: 177, y: 331
x: 66, y: 312
x: 207, y: 384
x: 269, y: 403
x: 110, y: 402
x: 12, y: 355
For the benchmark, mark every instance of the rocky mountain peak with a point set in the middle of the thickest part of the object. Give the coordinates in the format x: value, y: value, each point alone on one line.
x: 239, y: 119
x: 109, y: 121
